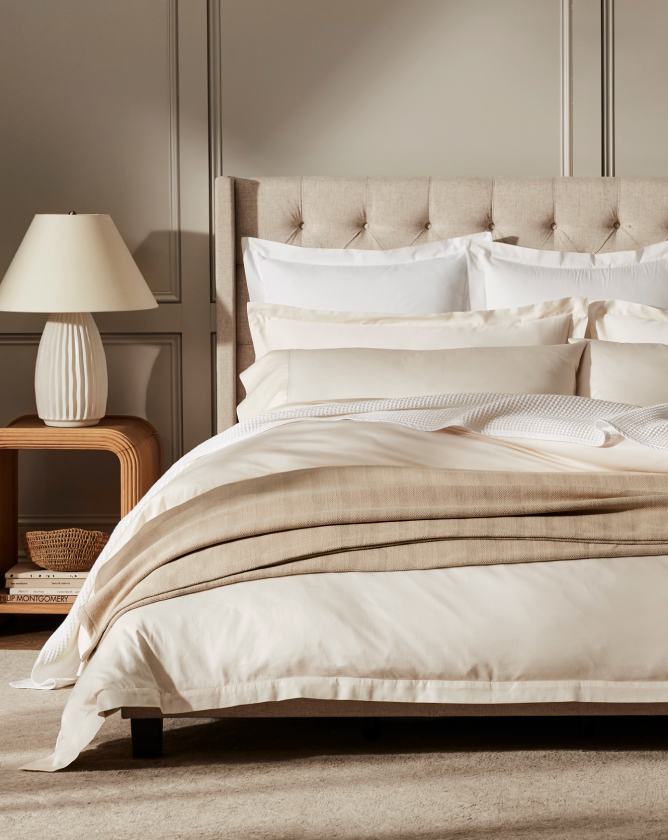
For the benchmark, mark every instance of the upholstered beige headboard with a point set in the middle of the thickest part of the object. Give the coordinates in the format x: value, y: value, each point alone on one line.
x: 562, y: 214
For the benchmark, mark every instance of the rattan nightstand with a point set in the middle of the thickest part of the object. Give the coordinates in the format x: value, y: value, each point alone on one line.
x: 134, y: 440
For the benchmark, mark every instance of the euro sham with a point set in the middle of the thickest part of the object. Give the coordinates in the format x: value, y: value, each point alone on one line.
x: 622, y: 321
x: 425, y: 278
x: 290, y: 328
x: 297, y: 377
x: 636, y: 374
x: 505, y: 275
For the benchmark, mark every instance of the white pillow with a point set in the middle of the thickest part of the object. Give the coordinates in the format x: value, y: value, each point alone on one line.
x: 636, y: 374
x: 505, y: 275
x: 288, y: 328
x: 423, y: 278
x: 620, y: 320
x: 289, y: 377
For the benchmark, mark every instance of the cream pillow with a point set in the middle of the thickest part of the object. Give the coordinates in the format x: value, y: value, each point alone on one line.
x: 636, y: 374
x: 288, y: 328
x: 288, y: 377
x: 506, y: 275
x: 622, y: 321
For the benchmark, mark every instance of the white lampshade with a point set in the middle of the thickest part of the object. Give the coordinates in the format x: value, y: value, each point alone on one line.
x: 75, y: 263
x: 71, y: 266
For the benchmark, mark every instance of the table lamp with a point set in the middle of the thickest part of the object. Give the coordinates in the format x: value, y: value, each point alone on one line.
x: 72, y: 265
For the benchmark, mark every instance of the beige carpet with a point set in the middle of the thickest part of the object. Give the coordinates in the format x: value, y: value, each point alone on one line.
x: 251, y: 780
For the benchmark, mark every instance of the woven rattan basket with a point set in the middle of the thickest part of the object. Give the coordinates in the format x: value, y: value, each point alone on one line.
x: 67, y: 550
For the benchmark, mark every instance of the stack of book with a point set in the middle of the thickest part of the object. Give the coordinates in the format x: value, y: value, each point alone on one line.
x: 26, y: 583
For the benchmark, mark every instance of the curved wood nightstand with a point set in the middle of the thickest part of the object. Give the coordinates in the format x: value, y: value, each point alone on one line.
x: 134, y: 440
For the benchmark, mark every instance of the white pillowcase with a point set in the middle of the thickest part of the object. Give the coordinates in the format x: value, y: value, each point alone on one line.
x: 295, y: 377
x: 506, y: 275
x: 626, y: 373
x: 421, y: 279
x: 620, y: 320
x: 289, y: 328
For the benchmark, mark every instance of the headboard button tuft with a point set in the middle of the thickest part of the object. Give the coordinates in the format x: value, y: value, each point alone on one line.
x: 617, y: 225
x: 553, y: 226
x: 302, y: 225
x: 427, y: 226
x: 490, y: 226
x: 366, y: 226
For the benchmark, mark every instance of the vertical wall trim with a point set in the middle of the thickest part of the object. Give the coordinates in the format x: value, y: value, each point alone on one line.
x: 607, y: 88
x: 174, y: 174
x: 215, y: 119
x: 566, y: 87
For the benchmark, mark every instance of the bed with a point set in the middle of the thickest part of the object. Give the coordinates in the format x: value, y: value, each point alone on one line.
x: 486, y: 670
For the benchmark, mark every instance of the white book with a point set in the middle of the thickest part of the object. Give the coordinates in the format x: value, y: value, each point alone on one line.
x: 30, y: 571
x: 63, y: 590
x: 45, y: 583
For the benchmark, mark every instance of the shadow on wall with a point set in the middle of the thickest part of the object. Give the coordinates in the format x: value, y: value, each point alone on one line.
x: 164, y: 249
x: 130, y: 367
x: 277, y: 57
x: 154, y: 258
x: 390, y: 87
x: 184, y: 355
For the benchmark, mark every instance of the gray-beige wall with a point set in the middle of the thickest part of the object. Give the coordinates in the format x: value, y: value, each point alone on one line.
x: 104, y: 109
x: 129, y: 107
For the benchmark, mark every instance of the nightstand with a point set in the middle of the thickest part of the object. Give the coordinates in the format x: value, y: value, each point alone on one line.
x: 134, y: 440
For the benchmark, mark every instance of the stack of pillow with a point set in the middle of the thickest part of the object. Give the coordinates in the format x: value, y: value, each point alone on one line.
x: 462, y: 315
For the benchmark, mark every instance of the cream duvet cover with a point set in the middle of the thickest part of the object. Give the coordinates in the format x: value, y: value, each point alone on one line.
x: 599, y: 628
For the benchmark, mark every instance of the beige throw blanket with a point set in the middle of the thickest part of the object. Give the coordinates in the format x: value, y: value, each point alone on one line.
x: 377, y: 518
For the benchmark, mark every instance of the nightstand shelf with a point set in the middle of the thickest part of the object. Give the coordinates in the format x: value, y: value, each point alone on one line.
x: 35, y: 609
x: 133, y: 440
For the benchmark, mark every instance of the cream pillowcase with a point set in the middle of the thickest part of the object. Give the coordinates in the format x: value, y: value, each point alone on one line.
x: 622, y: 321
x: 289, y: 328
x: 427, y: 278
x: 636, y: 374
x: 288, y: 377
x: 506, y: 275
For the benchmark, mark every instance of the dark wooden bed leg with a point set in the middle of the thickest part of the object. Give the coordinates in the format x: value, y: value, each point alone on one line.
x: 371, y: 728
x: 146, y: 737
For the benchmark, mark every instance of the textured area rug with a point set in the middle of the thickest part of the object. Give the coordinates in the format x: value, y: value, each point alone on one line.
x: 318, y: 779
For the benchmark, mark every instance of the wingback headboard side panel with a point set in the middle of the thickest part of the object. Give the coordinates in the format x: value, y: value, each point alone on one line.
x: 591, y: 215
x: 226, y: 304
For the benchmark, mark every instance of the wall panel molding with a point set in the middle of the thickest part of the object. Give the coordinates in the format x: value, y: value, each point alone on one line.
x: 145, y: 99
x: 566, y: 87
x: 173, y: 293
x: 215, y: 118
x: 607, y: 88
x: 214, y: 383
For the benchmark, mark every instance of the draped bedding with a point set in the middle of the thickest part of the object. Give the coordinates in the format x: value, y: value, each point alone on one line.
x: 378, y: 519
x: 449, y: 489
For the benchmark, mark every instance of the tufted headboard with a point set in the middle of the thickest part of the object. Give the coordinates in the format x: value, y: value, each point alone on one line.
x: 592, y: 215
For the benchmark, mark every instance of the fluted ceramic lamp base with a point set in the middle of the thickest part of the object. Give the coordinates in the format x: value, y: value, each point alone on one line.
x: 71, y: 372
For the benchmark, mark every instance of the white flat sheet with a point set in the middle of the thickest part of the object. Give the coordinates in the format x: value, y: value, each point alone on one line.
x: 598, y: 628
